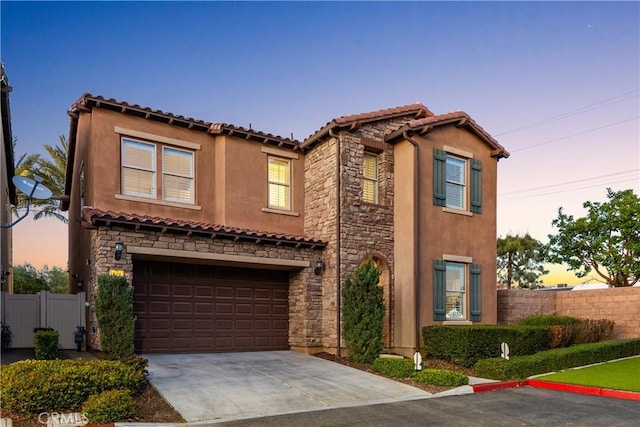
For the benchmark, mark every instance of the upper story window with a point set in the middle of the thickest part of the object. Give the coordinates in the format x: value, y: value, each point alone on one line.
x: 370, y: 175
x: 279, y: 185
x: 140, y: 171
x: 177, y: 175
x: 138, y: 168
x: 457, y: 180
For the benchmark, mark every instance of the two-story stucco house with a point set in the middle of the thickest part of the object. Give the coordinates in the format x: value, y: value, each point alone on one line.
x: 237, y: 240
x: 7, y: 188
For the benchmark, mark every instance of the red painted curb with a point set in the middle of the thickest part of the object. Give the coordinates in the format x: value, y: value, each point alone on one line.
x: 581, y: 389
x: 502, y: 385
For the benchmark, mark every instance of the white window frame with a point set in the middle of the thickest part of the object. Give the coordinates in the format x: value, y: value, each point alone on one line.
x: 455, y: 312
x: 286, y: 185
x: 461, y: 184
x: 372, y: 179
x: 152, y: 147
x: 190, y: 176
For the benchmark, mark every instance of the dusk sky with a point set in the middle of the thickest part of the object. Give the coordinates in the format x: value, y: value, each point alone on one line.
x: 557, y: 84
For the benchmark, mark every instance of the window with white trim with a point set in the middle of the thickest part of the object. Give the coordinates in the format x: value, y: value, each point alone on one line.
x: 370, y: 178
x: 138, y: 168
x: 456, y: 291
x: 279, y: 183
x: 456, y: 182
x: 177, y: 175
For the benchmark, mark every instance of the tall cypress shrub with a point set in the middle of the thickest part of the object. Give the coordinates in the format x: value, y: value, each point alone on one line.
x: 114, y: 309
x: 363, y: 313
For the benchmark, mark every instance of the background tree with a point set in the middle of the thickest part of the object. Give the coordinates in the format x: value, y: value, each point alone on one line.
x: 363, y: 313
x: 53, y: 171
x: 29, y: 280
x: 606, y: 240
x: 520, y: 260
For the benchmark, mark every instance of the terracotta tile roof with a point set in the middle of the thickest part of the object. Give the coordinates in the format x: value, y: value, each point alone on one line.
x: 353, y: 121
x: 458, y: 118
x: 87, y: 101
x: 99, y: 217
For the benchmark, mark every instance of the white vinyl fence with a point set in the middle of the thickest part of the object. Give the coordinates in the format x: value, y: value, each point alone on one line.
x: 62, y: 312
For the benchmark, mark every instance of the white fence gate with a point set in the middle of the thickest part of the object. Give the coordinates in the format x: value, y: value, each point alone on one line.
x: 62, y: 312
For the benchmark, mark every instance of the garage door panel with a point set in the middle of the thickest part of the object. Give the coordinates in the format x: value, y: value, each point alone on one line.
x: 244, y: 293
x: 158, y: 290
x: 244, y: 324
x: 182, y: 290
x: 281, y: 309
x: 196, y: 308
x: 179, y: 307
x: 224, y: 292
x: 159, y: 307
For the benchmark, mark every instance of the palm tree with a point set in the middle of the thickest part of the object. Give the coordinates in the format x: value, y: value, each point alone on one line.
x: 52, y: 171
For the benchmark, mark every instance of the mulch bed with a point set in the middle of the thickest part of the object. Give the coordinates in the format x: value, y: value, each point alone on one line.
x: 431, y: 364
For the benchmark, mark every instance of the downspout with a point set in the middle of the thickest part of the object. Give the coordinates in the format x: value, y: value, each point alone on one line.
x: 416, y: 234
x: 338, y: 244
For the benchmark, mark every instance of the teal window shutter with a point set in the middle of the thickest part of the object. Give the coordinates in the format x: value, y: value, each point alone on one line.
x: 476, y: 293
x: 439, y: 177
x: 476, y: 186
x: 439, y: 289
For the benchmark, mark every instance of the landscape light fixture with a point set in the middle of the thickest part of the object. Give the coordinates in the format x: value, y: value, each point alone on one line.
x: 119, y: 249
x: 318, y: 268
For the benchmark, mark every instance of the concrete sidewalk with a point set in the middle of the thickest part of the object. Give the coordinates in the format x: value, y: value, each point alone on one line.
x: 233, y: 386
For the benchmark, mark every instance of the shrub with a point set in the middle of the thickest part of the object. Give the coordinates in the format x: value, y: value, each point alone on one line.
x: 548, y: 320
x: 46, y: 344
x: 396, y: 368
x: 588, y: 331
x: 565, y: 330
x: 363, y: 313
x: 441, y: 377
x: 556, y: 359
x: 30, y: 387
x: 109, y: 407
x: 114, y: 309
x: 465, y: 345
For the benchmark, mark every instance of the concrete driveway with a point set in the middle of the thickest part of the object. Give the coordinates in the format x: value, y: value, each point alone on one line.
x: 234, y: 386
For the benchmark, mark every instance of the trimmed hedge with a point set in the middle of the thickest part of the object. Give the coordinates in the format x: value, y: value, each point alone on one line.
x: 465, y: 345
x: 441, y: 377
x: 46, y: 344
x: 109, y: 406
x: 548, y: 320
x: 555, y: 360
x: 396, y: 368
x: 405, y: 368
x: 30, y: 387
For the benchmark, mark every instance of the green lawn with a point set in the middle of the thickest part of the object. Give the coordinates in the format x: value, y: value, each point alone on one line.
x: 619, y: 375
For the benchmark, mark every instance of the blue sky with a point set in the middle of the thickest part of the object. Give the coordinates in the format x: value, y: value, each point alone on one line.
x: 291, y: 67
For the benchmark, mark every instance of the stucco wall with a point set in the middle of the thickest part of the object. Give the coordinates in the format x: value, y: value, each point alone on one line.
x: 621, y: 305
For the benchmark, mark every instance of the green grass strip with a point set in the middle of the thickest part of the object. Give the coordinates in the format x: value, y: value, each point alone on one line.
x: 617, y: 375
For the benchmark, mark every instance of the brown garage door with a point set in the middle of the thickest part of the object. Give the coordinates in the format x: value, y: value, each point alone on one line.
x: 196, y: 308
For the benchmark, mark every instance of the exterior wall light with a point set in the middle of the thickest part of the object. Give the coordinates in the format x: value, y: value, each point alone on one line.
x: 119, y: 249
x: 318, y: 268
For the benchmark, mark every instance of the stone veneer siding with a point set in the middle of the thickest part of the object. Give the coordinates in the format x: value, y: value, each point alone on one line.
x: 365, y: 229
x: 304, y: 286
x: 621, y: 305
